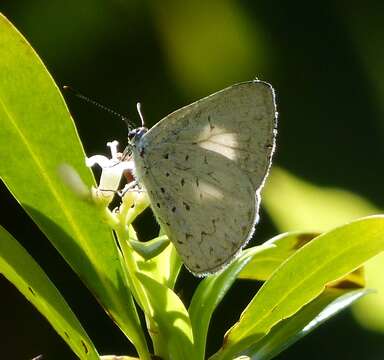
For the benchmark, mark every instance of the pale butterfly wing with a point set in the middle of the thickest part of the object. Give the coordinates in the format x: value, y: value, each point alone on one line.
x: 203, y: 167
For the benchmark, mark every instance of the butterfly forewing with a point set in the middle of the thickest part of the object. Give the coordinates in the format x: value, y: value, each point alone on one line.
x: 203, y: 167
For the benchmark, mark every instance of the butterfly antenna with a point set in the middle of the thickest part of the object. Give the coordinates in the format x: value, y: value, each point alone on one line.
x: 138, y: 106
x: 100, y: 106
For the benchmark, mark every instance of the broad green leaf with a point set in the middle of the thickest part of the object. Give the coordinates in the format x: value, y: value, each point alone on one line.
x: 23, y: 272
x: 284, y: 334
x: 211, y: 291
x: 265, y: 262
x: 303, y: 277
x: 37, y: 137
x: 296, y: 205
x: 174, y: 338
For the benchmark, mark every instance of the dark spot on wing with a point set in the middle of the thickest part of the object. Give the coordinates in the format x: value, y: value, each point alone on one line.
x: 66, y: 334
x: 187, y: 207
x: 182, y: 182
x: 158, y: 205
x: 188, y: 236
x: 182, y: 168
x: 162, y: 190
x: 218, y: 260
x: 167, y: 223
x: 166, y: 156
x: 174, y: 209
x: 167, y: 174
x: 186, y: 157
x: 210, y: 124
x: 205, y: 160
x: 197, y: 266
x: 197, y: 182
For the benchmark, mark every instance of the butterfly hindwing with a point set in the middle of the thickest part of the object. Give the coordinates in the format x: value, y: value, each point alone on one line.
x: 203, y: 167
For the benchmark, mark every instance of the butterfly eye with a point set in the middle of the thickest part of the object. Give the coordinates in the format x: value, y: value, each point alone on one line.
x: 132, y: 134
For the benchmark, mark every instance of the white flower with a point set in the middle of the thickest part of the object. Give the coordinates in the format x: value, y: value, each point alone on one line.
x: 112, y: 171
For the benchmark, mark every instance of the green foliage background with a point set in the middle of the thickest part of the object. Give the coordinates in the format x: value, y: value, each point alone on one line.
x: 325, y: 61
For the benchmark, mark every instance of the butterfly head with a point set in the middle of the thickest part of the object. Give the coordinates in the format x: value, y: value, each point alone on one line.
x: 136, y: 134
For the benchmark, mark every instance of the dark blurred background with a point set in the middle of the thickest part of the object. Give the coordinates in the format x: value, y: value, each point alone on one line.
x: 326, y: 62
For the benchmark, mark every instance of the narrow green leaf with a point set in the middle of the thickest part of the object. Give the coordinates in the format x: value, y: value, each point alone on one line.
x: 265, y: 262
x: 209, y: 294
x: 23, y: 272
x: 287, y: 332
x: 38, y: 136
x: 295, y: 204
x: 151, y: 248
x: 174, y: 331
x: 303, y: 277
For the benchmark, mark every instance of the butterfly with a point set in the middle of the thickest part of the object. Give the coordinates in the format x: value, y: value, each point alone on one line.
x: 203, y: 167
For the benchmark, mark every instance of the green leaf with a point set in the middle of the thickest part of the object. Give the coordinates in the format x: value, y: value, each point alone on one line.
x: 296, y: 204
x: 152, y: 248
x: 211, y: 291
x: 284, y: 334
x: 38, y: 136
x: 303, y: 277
x: 174, y: 338
x: 23, y: 272
x: 164, y: 267
x: 265, y: 262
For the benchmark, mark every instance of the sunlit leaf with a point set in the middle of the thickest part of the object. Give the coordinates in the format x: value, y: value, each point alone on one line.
x: 295, y: 204
x: 174, y: 338
x: 38, y: 136
x: 328, y: 304
x: 303, y: 277
x: 211, y: 291
x: 23, y: 272
x: 264, y: 263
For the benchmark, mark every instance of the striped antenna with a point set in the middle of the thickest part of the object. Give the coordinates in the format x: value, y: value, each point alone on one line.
x: 100, y: 106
